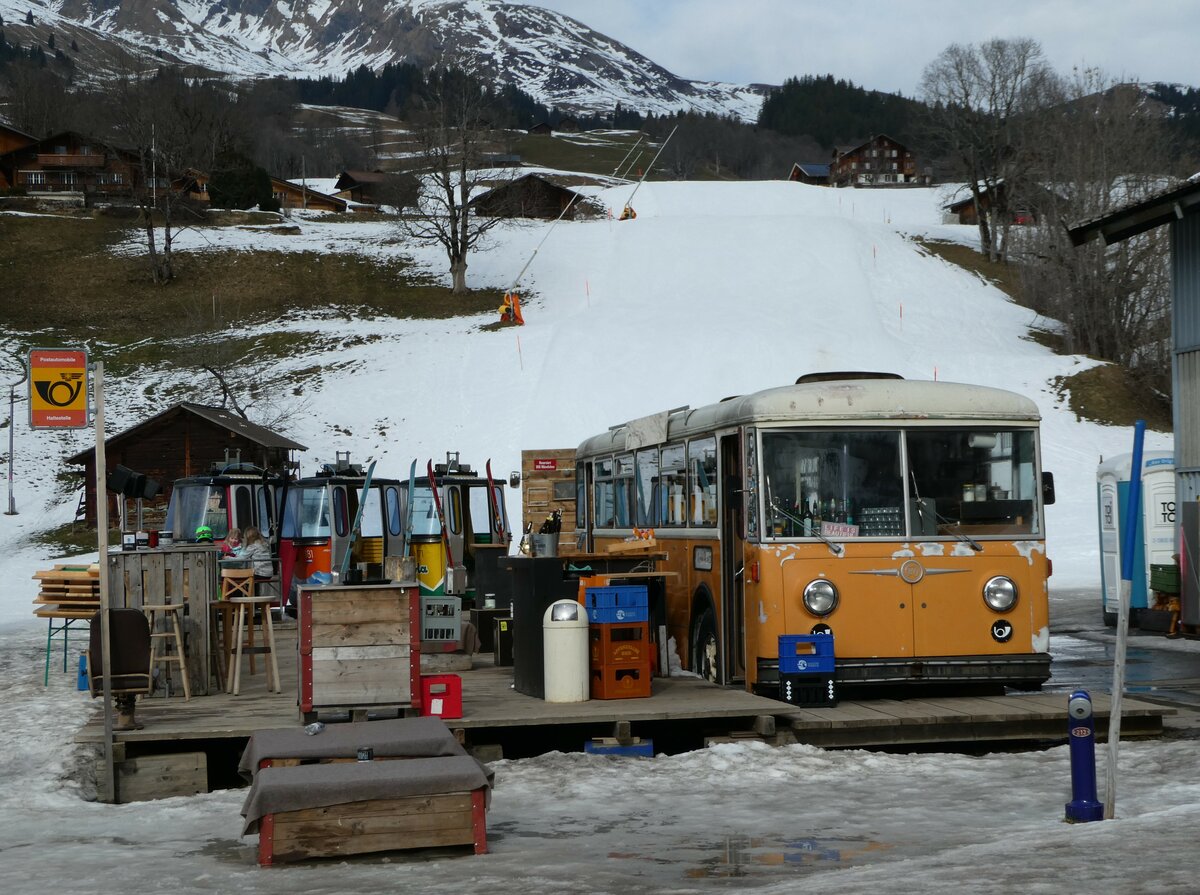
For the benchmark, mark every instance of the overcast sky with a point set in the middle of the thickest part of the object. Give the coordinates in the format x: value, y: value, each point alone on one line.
x: 884, y: 46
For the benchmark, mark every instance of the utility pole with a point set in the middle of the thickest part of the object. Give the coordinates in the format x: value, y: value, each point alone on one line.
x: 12, y: 426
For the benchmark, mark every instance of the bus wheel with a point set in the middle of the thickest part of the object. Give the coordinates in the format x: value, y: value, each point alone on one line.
x: 704, y: 648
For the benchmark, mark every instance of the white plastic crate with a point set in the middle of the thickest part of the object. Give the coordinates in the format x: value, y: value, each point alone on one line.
x: 441, y: 618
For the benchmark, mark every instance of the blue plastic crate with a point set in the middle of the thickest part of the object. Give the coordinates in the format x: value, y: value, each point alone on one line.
x: 617, y: 604
x: 617, y: 596
x: 806, y: 654
x: 640, y: 747
x: 617, y: 616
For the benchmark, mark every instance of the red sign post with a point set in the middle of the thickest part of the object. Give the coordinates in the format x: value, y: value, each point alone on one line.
x: 58, y: 388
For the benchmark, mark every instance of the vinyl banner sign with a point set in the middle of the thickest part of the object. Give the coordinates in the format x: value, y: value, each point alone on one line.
x: 58, y: 388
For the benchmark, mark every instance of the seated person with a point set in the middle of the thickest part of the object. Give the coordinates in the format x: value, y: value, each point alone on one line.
x: 232, y: 545
x: 257, y: 552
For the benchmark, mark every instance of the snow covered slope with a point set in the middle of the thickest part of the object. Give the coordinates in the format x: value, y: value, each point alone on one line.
x: 715, y: 289
x: 556, y: 59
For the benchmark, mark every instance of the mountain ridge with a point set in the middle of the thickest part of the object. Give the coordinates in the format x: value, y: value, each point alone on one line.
x: 556, y: 59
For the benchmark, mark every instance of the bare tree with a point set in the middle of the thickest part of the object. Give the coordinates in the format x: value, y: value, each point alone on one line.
x: 453, y: 130
x: 1106, y: 147
x: 176, y: 130
x: 984, y: 103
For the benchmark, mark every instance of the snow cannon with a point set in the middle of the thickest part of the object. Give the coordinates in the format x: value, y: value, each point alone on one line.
x: 1083, y: 807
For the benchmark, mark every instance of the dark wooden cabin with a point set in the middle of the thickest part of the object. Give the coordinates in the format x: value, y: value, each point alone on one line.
x: 183, y: 440
x: 530, y: 196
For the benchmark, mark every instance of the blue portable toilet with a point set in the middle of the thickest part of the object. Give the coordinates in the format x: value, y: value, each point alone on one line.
x: 1156, y: 542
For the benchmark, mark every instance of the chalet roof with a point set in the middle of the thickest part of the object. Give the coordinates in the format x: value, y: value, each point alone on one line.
x: 280, y: 183
x: 349, y: 178
x: 20, y: 133
x: 564, y: 183
x: 844, y: 150
x: 218, y: 416
x: 814, y: 170
x: 1170, y: 204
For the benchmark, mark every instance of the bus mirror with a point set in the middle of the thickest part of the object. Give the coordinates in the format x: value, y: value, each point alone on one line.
x: 1047, y: 488
x: 514, y: 479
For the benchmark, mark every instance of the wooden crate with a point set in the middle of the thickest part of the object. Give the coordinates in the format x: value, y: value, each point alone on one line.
x: 160, y: 776
x: 359, y: 647
x: 380, y: 825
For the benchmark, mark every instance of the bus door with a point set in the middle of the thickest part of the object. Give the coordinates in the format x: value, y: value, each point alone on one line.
x: 732, y: 635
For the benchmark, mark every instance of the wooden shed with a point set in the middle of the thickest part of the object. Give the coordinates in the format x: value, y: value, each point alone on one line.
x: 530, y: 196
x: 814, y: 174
x: 184, y: 440
x: 297, y: 195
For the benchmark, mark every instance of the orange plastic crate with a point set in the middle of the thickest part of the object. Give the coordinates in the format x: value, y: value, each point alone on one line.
x: 620, y: 644
x: 621, y: 681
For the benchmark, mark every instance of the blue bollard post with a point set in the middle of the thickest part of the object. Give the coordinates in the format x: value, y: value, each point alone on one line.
x: 1081, y: 724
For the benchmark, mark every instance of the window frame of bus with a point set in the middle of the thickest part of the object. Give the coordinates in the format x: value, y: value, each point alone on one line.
x: 702, y: 455
x: 672, y: 472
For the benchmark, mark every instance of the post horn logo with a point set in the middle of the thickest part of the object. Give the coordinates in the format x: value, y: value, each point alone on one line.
x: 62, y: 393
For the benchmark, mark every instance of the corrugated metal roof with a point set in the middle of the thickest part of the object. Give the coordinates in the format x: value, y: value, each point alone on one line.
x: 1138, y: 217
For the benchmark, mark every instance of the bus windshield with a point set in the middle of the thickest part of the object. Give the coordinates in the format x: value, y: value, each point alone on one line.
x: 922, y: 482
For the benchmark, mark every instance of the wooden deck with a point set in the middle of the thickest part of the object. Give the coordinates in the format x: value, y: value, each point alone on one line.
x: 681, y: 713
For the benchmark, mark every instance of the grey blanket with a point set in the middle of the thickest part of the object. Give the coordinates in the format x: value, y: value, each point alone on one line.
x: 277, y: 790
x: 393, y: 738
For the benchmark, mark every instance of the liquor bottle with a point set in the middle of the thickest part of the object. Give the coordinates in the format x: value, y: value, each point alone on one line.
x: 806, y: 521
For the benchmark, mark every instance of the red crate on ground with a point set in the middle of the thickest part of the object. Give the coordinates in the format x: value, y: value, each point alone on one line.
x: 621, y: 681
x: 620, y: 644
x: 441, y: 695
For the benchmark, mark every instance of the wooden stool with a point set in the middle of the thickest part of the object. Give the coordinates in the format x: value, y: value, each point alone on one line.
x: 245, y: 644
x: 175, y: 634
x: 220, y: 636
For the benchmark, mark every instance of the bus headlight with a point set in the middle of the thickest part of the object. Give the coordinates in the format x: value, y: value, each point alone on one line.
x: 820, y: 597
x: 1000, y: 594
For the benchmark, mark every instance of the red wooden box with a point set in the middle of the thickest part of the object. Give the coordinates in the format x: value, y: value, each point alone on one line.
x: 621, y: 681
x: 620, y: 644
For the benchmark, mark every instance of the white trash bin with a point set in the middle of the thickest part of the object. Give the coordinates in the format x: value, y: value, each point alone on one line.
x: 565, y: 652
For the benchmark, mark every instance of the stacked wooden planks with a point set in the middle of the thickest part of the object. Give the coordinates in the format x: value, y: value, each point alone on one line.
x: 68, y: 591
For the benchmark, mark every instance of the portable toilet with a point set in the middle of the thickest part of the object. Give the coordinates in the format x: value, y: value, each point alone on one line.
x: 1155, y: 542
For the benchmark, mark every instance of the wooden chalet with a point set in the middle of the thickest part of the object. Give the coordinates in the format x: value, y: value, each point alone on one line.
x: 530, y: 196
x: 295, y: 195
x: 375, y: 188
x: 877, y: 162
x: 70, y: 162
x: 967, y: 210
x: 10, y: 140
x: 184, y: 440
x: 568, y: 124
x: 542, y: 129
x: 814, y: 174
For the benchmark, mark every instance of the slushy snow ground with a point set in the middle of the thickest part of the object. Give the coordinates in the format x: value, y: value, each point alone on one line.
x: 715, y: 289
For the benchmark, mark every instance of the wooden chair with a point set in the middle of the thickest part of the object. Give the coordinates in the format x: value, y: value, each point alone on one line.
x: 237, y: 583
x: 130, y: 665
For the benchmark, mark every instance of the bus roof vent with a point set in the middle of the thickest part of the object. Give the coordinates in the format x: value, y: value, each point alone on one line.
x: 846, y: 374
x: 730, y: 398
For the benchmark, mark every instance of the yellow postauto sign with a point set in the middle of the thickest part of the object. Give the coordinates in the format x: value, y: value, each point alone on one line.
x: 58, y: 388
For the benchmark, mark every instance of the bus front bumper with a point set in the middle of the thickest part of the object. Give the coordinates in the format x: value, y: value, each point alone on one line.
x: 1022, y: 671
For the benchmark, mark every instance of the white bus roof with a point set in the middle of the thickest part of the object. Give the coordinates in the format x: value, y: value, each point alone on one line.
x: 821, y: 403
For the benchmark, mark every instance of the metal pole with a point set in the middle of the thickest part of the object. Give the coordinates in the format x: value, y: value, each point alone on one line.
x: 102, y: 541
x: 12, y: 425
x: 1131, y: 520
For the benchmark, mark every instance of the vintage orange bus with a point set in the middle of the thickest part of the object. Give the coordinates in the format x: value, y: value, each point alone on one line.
x: 906, y: 518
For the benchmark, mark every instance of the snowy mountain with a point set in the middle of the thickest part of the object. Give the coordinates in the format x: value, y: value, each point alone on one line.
x: 556, y: 59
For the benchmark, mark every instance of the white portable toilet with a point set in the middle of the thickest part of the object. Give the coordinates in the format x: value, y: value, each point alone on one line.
x: 1156, y: 542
